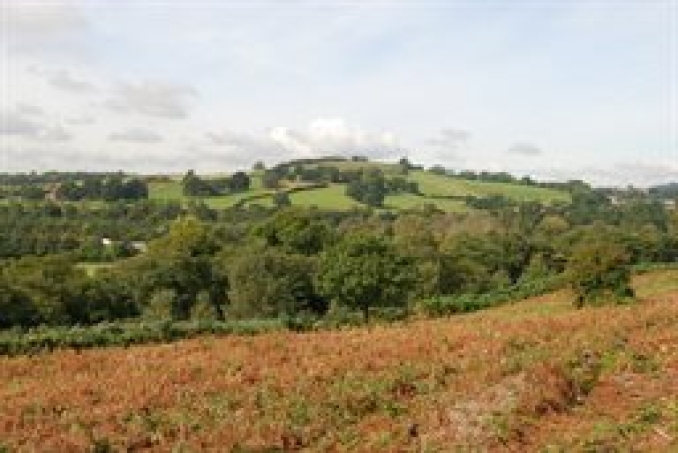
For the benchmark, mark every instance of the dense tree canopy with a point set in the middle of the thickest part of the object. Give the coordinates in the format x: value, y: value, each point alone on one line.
x: 365, y: 271
x: 77, y: 262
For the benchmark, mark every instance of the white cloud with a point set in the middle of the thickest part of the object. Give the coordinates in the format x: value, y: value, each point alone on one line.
x: 446, y: 146
x: 29, y: 109
x: 525, y: 149
x: 12, y: 123
x: 450, y: 138
x: 64, y: 80
x: 136, y: 135
x: 55, y: 134
x: 155, y: 99
x: 38, y: 26
x: 81, y: 120
x: 330, y: 136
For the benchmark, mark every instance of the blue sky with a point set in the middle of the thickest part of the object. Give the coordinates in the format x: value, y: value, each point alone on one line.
x: 551, y: 88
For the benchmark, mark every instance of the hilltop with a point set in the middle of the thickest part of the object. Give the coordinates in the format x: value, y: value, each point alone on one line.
x: 448, y: 192
x: 537, y: 375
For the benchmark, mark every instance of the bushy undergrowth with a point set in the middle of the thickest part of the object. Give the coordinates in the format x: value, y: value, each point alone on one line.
x: 467, y: 303
x: 41, y: 339
x: 46, y: 338
x: 644, y: 268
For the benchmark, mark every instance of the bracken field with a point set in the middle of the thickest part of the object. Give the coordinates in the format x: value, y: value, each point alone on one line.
x: 537, y: 375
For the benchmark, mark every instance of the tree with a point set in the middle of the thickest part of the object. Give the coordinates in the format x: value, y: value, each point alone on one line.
x: 181, y: 262
x: 370, y: 189
x: 282, y: 199
x: 598, y: 269
x: 16, y: 308
x: 297, y: 230
x: 240, y: 182
x: 268, y: 282
x: 50, y: 283
x: 405, y: 165
x: 270, y: 179
x: 363, y: 271
x: 438, y: 170
x: 194, y: 186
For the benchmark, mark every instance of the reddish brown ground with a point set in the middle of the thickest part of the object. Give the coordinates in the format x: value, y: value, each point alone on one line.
x: 533, y: 376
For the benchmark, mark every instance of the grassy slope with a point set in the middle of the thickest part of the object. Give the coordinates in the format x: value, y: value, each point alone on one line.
x: 171, y: 191
x: 431, y: 184
x: 532, y: 376
x: 333, y: 197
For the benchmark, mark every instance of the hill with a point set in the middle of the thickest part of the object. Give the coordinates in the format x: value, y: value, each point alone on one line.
x: 446, y: 192
x: 537, y: 375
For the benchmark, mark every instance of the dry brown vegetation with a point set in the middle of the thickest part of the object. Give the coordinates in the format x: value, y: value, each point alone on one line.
x: 533, y: 376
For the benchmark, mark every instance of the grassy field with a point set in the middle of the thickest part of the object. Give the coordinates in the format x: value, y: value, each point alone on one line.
x: 92, y: 268
x: 171, y: 191
x: 432, y: 184
x: 333, y: 197
x: 409, y: 201
x: 536, y: 375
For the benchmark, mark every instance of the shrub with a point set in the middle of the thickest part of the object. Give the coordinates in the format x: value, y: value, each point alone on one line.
x: 599, y: 270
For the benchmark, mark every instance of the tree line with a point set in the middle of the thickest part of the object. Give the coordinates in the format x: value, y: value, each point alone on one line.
x: 292, y: 262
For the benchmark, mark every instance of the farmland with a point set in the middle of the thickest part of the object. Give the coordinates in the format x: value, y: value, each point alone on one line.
x: 446, y: 193
x: 597, y: 379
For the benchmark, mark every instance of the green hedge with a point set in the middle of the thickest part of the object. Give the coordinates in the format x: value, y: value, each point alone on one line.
x: 43, y: 339
x: 644, y: 268
x: 467, y: 303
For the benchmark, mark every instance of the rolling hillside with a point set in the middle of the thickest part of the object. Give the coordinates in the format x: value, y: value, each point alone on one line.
x: 533, y: 376
x: 445, y: 192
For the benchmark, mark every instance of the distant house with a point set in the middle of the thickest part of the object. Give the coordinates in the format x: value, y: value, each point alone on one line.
x: 139, y: 246
x: 52, y: 193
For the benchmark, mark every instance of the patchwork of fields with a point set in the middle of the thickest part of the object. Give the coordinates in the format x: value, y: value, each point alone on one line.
x: 537, y: 375
x: 432, y: 186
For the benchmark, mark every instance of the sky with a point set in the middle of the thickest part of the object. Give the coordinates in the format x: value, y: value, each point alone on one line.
x: 555, y: 89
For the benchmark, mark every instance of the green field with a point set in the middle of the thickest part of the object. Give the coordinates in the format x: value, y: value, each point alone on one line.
x: 327, y: 198
x: 91, y: 269
x: 334, y: 198
x: 410, y: 201
x: 171, y: 191
x: 436, y: 185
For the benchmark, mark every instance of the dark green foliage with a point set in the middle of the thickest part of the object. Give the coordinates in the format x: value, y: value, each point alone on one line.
x: 107, y: 188
x: 297, y: 230
x: 271, y: 179
x: 51, y: 228
x: 240, y: 182
x: 182, y: 263
x: 370, y: 189
x: 194, y: 186
x: 43, y: 339
x: 50, y: 283
x: 282, y: 199
x: 16, y: 307
x: 288, y: 263
x: 599, y: 271
x: 269, y: 283
x: 470, y: 302
x: 365, y: 271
